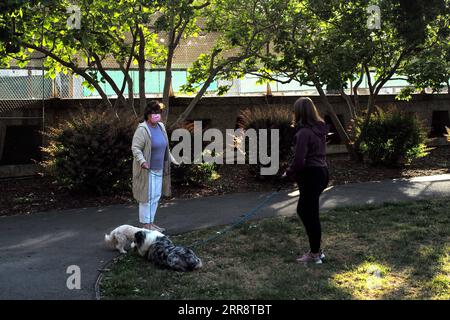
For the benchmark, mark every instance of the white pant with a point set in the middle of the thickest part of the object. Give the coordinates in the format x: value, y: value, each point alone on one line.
x: 147, y: 210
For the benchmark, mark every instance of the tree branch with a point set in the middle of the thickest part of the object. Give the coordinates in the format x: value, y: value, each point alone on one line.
x: 382, y: 81
x: 73, y: 67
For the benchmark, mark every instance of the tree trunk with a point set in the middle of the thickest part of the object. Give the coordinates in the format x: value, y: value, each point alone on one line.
x: 141, y: 63
x: 337, y: 123
x: 105, y: 98
x: 362, y: 136
x: 356, y: 95
x: 131, y: 94
x: 194, y: 102
x: 350, y: 104
x: 373, y: 92
x: 120, y: 98
x: 129, y: 81
x: 353, y: 113
x: 212, y: 74
x: 168, y: 83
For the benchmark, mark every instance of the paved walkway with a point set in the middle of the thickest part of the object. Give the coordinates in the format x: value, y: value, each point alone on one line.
x: 36, y: 250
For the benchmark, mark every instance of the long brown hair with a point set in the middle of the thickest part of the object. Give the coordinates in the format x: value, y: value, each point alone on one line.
x: 306, y: 112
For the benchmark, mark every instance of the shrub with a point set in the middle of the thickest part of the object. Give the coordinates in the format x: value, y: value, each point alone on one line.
x: 394, y: 138
x: 270, y: 118
x: 91, y: 152
x: 194, y: 174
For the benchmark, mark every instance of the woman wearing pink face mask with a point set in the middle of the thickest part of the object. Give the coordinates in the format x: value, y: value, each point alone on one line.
x: 151, y: 165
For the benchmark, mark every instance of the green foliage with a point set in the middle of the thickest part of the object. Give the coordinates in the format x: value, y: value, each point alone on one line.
x: 415, y: 16
x: 243, y: 29
x: 198, y: 73
x: 327, y: 43
x: 394, y: 138
x: 321, y: 41
x: 180, y: 16
x: 104, y: 34
x: 429, y: 67
x: 91, y: 152
x: 265, y: 117
x: 193, y: 174
x: 405, y: 94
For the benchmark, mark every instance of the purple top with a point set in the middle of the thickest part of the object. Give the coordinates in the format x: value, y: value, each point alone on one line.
x: 310, y: 143
x: 159, y: 145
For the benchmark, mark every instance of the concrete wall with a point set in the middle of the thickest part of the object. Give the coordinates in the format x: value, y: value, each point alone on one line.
x: 220, y: 112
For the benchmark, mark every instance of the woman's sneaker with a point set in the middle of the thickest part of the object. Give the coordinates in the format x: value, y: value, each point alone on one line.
x: 322, y: 255
x: 311, y: 257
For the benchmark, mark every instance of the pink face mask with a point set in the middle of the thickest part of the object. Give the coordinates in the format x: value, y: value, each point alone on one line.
x: 156, y: 117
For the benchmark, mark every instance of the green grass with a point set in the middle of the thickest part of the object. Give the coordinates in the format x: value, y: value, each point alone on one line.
x: 393, y: 251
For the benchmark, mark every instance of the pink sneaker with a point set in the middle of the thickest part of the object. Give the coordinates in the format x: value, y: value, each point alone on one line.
x: 310, y: 257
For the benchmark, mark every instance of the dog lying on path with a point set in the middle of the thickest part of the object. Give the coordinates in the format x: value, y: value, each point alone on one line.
x: 160, y: 250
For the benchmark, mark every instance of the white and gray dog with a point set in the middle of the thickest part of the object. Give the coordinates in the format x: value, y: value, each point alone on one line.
x: 163, y: 253
x: 121, y: 236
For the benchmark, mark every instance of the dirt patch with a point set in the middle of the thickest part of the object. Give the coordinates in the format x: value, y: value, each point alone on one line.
x: 39, y: 194
x: 343, y: 171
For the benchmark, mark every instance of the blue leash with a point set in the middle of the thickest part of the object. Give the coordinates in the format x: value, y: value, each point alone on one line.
x: 237, y: 223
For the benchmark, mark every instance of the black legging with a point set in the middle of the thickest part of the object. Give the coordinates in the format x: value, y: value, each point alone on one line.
x: 311, y: 183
